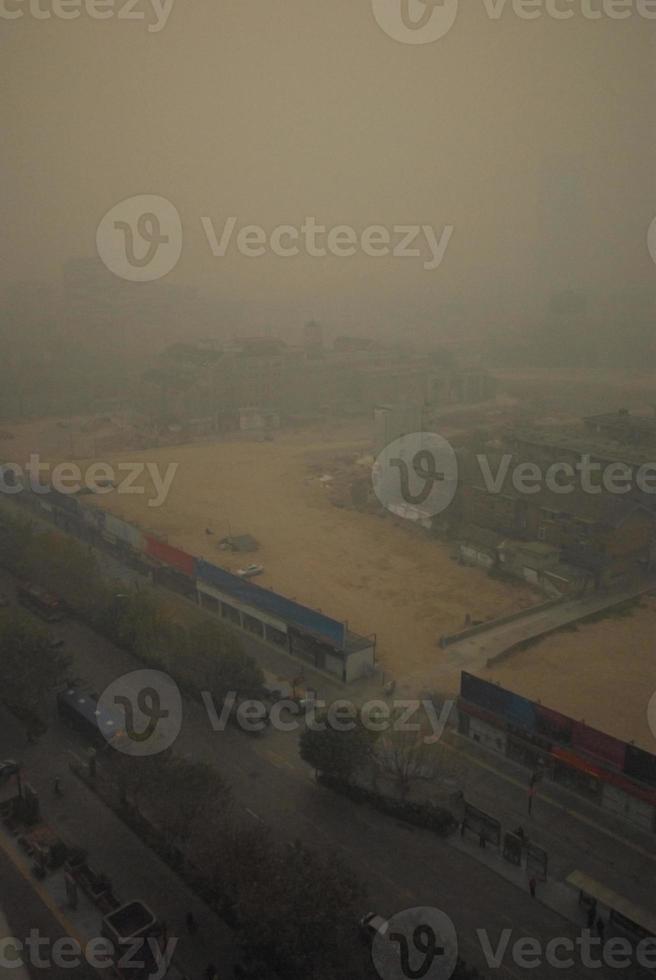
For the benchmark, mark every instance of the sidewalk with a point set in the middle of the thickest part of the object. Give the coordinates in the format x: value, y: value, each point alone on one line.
x: 82, y: 820
x: 555, y: 895
x: 576, y: 834
x: 83, y: 924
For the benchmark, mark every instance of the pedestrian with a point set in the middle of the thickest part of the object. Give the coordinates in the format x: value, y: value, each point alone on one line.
x: 192, y: 925
x: 210, y: 972
x: 481, y: 839
x: 600, y: 928
x: 57, y: 787
x: 463, y: 827
x: 532, y: 885
x: 592, y: 911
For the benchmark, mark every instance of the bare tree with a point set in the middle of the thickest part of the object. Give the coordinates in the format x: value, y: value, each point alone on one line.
x: 405, y: 756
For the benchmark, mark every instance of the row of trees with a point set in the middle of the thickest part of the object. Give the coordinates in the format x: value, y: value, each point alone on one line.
x: 294, y: 911
x: 399, y: 754
x: 29, y: 667
x: 198, y: 653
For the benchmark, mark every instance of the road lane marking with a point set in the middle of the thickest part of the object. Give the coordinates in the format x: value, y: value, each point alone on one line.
x: 550, y: 800
x: 275, y: 759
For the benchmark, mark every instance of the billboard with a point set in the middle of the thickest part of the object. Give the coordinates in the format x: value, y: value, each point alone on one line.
x: 640, y: 765
x: 271, y: 602
x: 602, y: 746
x: 168, y: 555
x: 122, y: 531
x: 486, y: 695
x: 572, y: 742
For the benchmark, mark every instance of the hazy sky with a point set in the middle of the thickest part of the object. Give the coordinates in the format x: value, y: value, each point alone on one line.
x: 533, y: 139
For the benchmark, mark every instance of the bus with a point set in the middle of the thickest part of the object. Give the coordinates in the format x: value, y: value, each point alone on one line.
x: 628, y: 919
x: 45, y: 605
x: 81, y: 711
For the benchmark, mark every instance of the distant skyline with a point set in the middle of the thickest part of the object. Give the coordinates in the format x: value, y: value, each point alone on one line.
x: 535, y: 140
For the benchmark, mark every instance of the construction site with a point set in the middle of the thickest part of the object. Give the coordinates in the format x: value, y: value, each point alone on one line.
x: 316, y: 534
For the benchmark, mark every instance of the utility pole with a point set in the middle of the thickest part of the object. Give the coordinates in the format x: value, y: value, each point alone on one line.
x: 532, y: 788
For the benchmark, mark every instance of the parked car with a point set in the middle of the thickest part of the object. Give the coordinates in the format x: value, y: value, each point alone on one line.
x: 371, y: 924
x: 250, y: 571
x: 7, y: 768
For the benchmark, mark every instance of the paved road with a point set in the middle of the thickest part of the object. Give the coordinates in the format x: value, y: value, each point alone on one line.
x: 401, y: 867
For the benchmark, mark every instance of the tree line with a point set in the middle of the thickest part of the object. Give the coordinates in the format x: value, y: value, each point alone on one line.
x: 198, y: 653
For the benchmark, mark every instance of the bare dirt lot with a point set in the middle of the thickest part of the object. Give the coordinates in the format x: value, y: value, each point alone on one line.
x: 380, y: 576
x: 603, y: 673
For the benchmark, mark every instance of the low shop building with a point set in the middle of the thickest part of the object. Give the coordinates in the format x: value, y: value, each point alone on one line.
x: 305, y: 634
x: 618, y: 776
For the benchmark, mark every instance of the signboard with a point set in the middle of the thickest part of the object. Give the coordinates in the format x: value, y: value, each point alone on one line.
x: 482, y: 824
x: 512, y: 849
x: 268, y: 601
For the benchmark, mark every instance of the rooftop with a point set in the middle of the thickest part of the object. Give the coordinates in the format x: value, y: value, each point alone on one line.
x: 579, y: 442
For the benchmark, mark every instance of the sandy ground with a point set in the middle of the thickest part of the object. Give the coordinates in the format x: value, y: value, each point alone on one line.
x: 604, y: 673
x: 377, y: 575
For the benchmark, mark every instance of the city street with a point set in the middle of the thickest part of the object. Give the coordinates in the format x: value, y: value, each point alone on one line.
x: 402, y: 867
